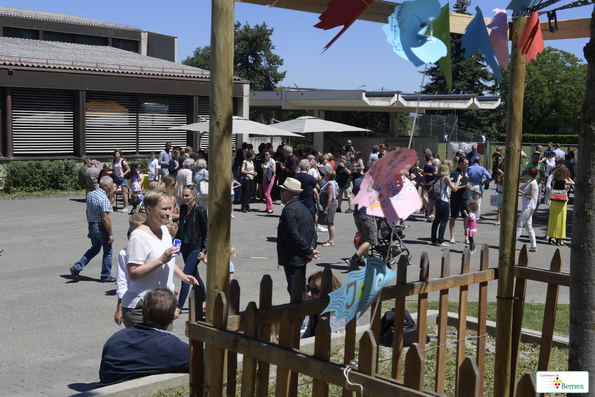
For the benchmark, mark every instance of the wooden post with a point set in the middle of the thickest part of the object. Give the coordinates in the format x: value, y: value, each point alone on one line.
x: 197, y: 367
x: 514, y: 126
x: 297, y: 293
x: 218, y: 354
x: 322, y: 351
x: 422, y: 302
x: 221, y: 112
x: 266, y: 301
x: 462, y: 326
x: 399, y: 321
x: 549, y: 316
x: 442, y: 325
x: 526, y: 387
x: 468, y: 382
x: 368, y: 352
x: 414, y: 368
x: 517, y: 318
x: 286, y: 342
x: 482, y: 318
x: 249, y: 363
x: 233, y: 308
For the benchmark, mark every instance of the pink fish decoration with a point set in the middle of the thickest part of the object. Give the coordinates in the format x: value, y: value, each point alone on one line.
x: 386, y: 191
x: 499, y: 36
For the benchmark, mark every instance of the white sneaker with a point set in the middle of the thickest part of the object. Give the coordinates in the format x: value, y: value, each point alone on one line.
x: 233, y: 217
x: 111, y: 210
x: 124, y: 211
x: 452, y: 240
x: 466, y: 240
x: 321, y: 229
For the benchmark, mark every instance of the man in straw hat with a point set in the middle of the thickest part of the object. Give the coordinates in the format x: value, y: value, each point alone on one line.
x: 296, y: 237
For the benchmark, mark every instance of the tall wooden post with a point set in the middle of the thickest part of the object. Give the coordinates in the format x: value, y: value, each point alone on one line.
x: 220, y: 129
x: 514, y: 127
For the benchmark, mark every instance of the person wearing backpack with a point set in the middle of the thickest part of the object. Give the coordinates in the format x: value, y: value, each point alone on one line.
x: 440, y: 192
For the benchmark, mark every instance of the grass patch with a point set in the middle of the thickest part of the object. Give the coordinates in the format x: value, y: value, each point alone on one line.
x: 532, y: 313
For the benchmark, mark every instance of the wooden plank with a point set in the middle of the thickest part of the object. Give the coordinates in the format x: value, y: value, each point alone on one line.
x: 232, y: 357
x: 399, y: 321
x: 249, y: 362
x: 368, y: 353
x: 326, y: 286
x: 549, y: 316
x: 520, y: 290
x: 265, y: 302
x: 422, y: 302
x: 197, y: 370
x: 462, y: 326
x: 415, y: 288
x: 442, y: 326
x: 349, y: 355
x: 375, y: 319
x: 526, y: 386
x: 285, y: 342
x: 469, y: 380
x: 543, y: 276
x: 322, y: 351
x: 379, y: 11
x: 482, y: 317
x: 218, y: 354
x: 297, y: 296
x: 300, y: 362
x: 414, y: 368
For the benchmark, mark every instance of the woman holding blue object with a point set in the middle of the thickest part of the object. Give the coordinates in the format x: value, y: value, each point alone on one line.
x: 150, y: 257
x: 192, y: 231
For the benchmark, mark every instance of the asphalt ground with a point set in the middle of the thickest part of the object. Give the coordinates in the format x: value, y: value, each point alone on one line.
x: 53, y: 329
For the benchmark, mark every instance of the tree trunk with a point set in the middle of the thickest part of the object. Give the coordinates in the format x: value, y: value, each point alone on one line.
x: 581, y: 356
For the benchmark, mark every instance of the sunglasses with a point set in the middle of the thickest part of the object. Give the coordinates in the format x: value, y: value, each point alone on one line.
x: 315, y: 291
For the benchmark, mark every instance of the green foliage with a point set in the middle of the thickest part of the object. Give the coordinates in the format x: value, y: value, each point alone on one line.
x: 543, y: 138
x: 377, y: 122
x: 200, y: 59
x: 469, y: 76
x: 253, y: 57
x: 143, y: 162
x: 554, y: 92
x: 35, y: 176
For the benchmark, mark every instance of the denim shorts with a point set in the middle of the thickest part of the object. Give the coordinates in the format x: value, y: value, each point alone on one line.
x: 120, y: 181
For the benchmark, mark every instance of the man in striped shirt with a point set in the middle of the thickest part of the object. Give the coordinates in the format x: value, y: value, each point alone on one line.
x: 100, y: 231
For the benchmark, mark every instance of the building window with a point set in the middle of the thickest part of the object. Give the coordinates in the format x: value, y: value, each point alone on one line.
x: 21, y: 33
x: 127, y: 45
x: 90, y: 40
x: 58, y: 36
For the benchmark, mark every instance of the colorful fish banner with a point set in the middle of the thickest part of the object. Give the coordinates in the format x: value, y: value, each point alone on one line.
x: 442, y: 32
x: 476, y: 38
x: 386, y: 191
x: 405, y: 32
x: 521, y: 5
x: 360, y: 290
x: 499, y: 36
x: 531, y: 40
x: 341, y: 12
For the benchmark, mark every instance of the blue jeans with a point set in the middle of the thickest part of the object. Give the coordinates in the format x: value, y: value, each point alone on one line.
x: 99, y: 238
x: 442, y: 210
x: 190, y: 257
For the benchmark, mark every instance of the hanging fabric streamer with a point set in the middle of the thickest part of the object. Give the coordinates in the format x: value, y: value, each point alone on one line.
x: 499, y: 36
x: 476, y: 38
x: 341, y: 12
x: 405, y: 32
x: 442, y: 32
x: 531, y: 40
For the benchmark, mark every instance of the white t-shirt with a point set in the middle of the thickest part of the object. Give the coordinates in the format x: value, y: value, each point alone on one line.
x: 122, y: 279
x: 531, y: 203
x: 144, y: 248
x: 153, y: 167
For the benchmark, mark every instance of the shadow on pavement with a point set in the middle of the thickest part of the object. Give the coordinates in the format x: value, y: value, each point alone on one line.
x: 83, y: 387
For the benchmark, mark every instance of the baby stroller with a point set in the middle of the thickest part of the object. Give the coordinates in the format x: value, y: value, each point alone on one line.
x: 390, y: 243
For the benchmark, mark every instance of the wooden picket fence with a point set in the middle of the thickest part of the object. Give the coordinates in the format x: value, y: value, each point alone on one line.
x: 259, y: 353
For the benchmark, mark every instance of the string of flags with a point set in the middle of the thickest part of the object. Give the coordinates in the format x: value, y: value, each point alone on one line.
x: 419, y: 31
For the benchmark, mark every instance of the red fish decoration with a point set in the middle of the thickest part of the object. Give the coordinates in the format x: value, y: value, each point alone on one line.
x: 341, y: 12
x: 531, y: 40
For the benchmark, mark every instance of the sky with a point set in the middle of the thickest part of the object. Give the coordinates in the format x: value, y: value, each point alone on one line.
x: 360, y: 56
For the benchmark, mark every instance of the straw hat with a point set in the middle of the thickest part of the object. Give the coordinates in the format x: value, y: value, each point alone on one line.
x: 292, y: 184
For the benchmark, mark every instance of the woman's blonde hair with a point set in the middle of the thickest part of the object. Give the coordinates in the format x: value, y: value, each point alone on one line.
x: 154, y: 197
x: 443, y: 169
x: 317, y: 278
x: 331, y: 174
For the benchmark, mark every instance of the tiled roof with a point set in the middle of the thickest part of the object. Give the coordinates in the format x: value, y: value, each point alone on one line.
x: 57, y: 55
x: 56, y: 17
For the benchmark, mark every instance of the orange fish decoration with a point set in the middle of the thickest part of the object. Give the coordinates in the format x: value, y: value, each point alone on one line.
x: 531, y: 40
x: 341, y: 12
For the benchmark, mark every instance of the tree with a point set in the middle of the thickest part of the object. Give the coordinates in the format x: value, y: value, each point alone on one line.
x: 581, y: 354
x: 200, y: 59
x: 469, y: 76
x: 253, y: 57
x: 554, y: 91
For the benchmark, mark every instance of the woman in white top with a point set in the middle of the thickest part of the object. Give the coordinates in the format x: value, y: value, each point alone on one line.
x: 530, y: 194
x: 150, y: 257
x: 121, y: 169
x: 249, y: 175
x: 184, y: 178
x: 442, y: 206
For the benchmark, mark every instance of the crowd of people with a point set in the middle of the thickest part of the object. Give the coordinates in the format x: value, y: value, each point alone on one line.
x: 311, y: 187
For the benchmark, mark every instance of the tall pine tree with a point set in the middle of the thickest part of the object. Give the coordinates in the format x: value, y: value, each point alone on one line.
x: 469, y: 76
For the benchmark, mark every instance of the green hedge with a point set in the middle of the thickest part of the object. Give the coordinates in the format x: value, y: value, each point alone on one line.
x: 35, y: 176
x: 564, y: 139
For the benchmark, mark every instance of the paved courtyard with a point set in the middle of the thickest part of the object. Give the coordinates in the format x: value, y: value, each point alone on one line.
x: 53, y: 329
